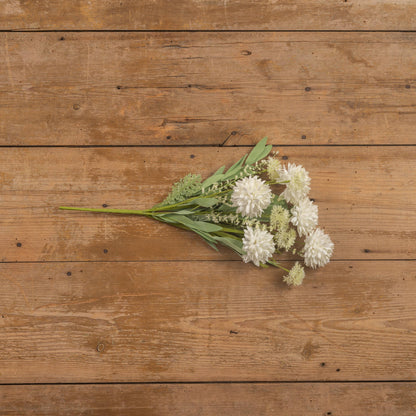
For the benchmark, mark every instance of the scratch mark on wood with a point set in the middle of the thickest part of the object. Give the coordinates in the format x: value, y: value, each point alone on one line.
x: 19, y: 287
x: 9, y: 71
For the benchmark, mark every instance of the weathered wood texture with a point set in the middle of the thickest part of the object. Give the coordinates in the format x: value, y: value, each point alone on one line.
x: 211, y: 321
x: 205, y: 88
x: 106, y: 298
x: 338, y: 399
x: 208, y: 15
x: 366, y: 197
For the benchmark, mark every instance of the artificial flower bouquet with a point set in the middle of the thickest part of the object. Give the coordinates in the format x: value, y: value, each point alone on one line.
x: 237, y: 208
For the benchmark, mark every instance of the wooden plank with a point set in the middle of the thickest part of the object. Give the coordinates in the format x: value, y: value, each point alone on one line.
x: 204, y: 15
x: 205, y: 321
x: 366, y: 197
x: 306, y: 399
x: 207, y: 88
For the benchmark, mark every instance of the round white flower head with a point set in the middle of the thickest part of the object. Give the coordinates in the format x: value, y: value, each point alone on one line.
x: 258, y: 245
x: 318, y: 249
x: 304, y: 216
x: 298, y: 185
x: 295, y: 276
x: 251, y: 196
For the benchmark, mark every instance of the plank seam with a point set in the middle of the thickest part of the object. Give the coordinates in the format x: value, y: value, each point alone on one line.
x: 180, y: 261
x: 103, y: 146
x: 204, y: 31
x: 206, y: 382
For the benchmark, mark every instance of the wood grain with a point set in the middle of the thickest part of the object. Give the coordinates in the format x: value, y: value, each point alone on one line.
x: 366, y: 197
x: 207, y: 88
x: 207, y: 15
x: 205, y: 321
x: 306, y: 399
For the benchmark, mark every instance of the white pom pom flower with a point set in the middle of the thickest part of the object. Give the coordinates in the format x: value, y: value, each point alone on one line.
x: 251, y: 196
x: 298, y: 185
x: 318, y: 249
x: 304, y: 216
x: 258, y: 246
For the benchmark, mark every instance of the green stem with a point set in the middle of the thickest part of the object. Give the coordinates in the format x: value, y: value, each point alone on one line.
x: 273, y: 263
x: 185, y: 202
x: 109, y: 210
x: 224, y: 234
x: 276, y: 182
x: 232, y: 230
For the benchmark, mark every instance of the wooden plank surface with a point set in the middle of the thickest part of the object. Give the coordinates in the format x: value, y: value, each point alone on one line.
x: 109, y: 299
x: 372, y: 189
x: 306, y: 399
x: 207, y: 15
x: 207, y: 88
x: 205, y: 321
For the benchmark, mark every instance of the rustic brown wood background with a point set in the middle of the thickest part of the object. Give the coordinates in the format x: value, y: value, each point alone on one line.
x: 109, y: 102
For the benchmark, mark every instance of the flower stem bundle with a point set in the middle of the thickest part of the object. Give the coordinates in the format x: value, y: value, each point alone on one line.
x: 237, y: 208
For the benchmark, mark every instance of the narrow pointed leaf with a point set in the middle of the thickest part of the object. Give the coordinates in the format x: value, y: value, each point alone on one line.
x: 258, y: 149
x: 194, y: 225
x: 236, y: 245
x: 214, y: 178
x: 205, y: 202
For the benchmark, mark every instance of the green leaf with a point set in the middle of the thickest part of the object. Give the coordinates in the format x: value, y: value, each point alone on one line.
x: 234, y: 169
x: 184, y: 212
x: 259, y: 152
x: 214, y: 178
x: 194, y: 225
x: 257, y: 149
x: 205, y: 202
x: 206, y: 226
x: 181, y: 212
x: 226, y: 209
x: 207, y: 238
x: 265, y: 152
x: 236, y: 245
